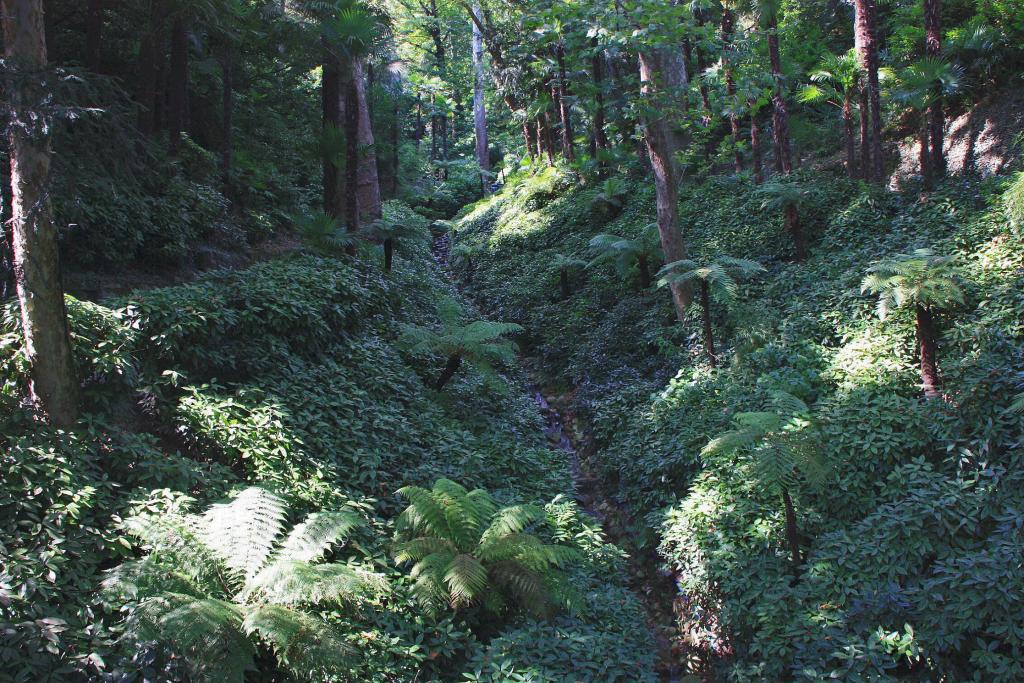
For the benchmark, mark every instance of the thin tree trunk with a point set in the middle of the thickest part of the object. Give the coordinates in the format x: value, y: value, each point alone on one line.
x: 179, y: 83
x: 755, y: 145
x: 44, y: 324
x: 531, y: 145
x: 565, y: 106
x: 330, y: 92
x: 549, y: 143
x: 351, y: 154
x: 936, y: 119
x: 469, y: 270
x: 93, y: 34
x: 449, y: 371
x: 924, y: 155
x: 792, y: 535
x: 227, y: 107
x: 865, y: 136
x: 479, y: 111
x: 728, y: 25
x: 796, y: 231
x: 600, y: 137
x: 389, y: 253
x: 645, y: 272
x: 657, y: 75
x: 709, y: 339
x: 851, y: 153
x: 563, y: 282
x: 927, y: 346
x: 780, y: 117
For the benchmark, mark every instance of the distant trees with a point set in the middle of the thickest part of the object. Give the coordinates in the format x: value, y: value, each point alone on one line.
x: 47, y: 342
x: 928, y: 283
x: 834, y: 80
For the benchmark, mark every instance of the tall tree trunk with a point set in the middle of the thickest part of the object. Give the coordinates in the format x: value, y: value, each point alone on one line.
x: 927, y: 346
x: 865, y: 135
x: 351, y: 119
x: 150, y: 55
x: 52, y: 383
x: 396, y: 142
x: 549, y: 143
x: 755, y: 145
x: 449, y: 371
x: 528, y: 140
x: 792, y: 535
x: 924, y: 155
x: 791, y: 218
x: 389, y: 254
x: 330, y: 92
x: 227, y: 68
x: 867, y: 53
x: 93, y: 34
x: 780, y: 117
x: 177, y: 105
x: 851, y: 153
x: 709, y: 337
x: 563, y: 282
x: 368, y: 194
x: 936, y: 119
x: 479, y: 111
x: 565, y: 106
x: 728, y: 26
x: 600, y: 137
x: 660, y: 76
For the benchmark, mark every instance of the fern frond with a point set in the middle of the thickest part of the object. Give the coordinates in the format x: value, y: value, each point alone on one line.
x: 416, y: 549
x: 424, y: 514
x: 306, y: 645
x: 242, y: 532
x: 466, y: 579
x: 512, y: 520
x: 311, y: 539
x: 295, y: 582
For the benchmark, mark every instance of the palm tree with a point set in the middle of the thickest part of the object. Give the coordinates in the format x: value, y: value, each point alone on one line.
x: 467, y: 552
x: 479, y: 343
x: 215, y: 584
x: 835, y: 81
x: 768, y: 17
x: 717, y: 277
x: 787, y: 196
x: 926, y: 281
x: 625, y: 253
x: 921, y: 87
x: 564, y: 264
x: 782, y: 448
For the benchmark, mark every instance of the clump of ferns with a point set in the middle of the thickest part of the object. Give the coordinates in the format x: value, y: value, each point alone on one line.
x: 611, y: 197
x: 222, y: 586
x: 469, y: 555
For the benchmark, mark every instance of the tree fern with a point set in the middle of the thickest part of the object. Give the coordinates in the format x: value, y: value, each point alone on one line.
x: 213, y: 583
x: 467, y: 552
x: 787, y: 197
x: 626, y: 253
x: 326, y: 233
x: 564, y: 264
x: 479, y: 343
x: 782, y: 447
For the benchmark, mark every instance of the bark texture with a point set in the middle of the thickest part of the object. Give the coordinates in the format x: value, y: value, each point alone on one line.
x: 52, y: 383
x: 927, y: 347
x: 936, y: 118
x: 479, y: 110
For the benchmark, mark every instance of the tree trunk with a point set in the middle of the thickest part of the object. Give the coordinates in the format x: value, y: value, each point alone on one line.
x: 93, y: 34
x: 150, y: 54
x: 780, y: 117
x: 927, y: 345
x: 531, y: 145
x: 755, y: 145
x: 389, y: 252
x: 645, y: 272
x: 330, y: 91
x: 549, y: 143
x: 47, y: 342
x: 796, y: 231
x: 924, y: 155
x: 479, y: 111
x: 449, y: 371
x: 469, y: 270
x: 867, y: 53
x: 351, y: 155
x: 728, y: 26
x: 865, y: 136
x: 656, y: 76
x: 396, y: 146
x: 368, y: 193
x: 600, y: 137
x: 792, y: 535
x: 709, y: 339
x: 227, y: 107
x: 936, y: 119
x: 851, y: 153
x: 565, y: 106
x: 177, y: 105
x: 563, y: 282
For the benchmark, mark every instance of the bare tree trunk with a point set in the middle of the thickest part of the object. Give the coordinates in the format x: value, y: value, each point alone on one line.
x: 851, y: 153
x: 924, y: 155
x: 351, y: 118
x: 780, y: 117
x: 936, y: 119
x: 660, y: 78
x: 600, y: 137
x: 728, y: 25
x: 178, y: 105
x: 549, y: 143
x: 52, y: 383
x: 330, y: 92
x: 563, y: 282
x: 564, y: 106
x: 479, y: 111
x: 93, y: 34
x: 709, y: 337
x: 449, y: 371
x: 867, y: 53
x: 792, y: 535
x: 368, y: 176
x: 645, y: 271
x: 865, y: 136
x: 927, y: 346
x: 755, y: 145
x: 227, y: 66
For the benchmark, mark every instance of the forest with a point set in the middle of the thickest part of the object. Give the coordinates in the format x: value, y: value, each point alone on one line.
x: 542, y: 341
